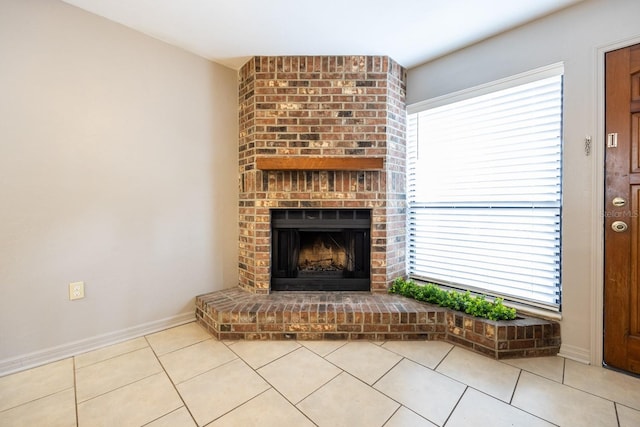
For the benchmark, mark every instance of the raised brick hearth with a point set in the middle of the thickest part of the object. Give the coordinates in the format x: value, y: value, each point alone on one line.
x: 239, y: 314
x: 322, y: 132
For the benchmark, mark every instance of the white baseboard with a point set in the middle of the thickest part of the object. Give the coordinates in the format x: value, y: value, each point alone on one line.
x: 52, y: 354
x: 578, y: 354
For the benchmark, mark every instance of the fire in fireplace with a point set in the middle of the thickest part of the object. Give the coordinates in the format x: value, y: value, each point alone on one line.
x: 320, y: 250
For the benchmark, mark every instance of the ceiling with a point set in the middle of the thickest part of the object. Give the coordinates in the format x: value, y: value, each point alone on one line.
x: 409, y: 31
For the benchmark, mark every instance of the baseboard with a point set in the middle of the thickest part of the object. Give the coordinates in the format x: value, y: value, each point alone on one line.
x: 52, y: 354
x: 578, y: 354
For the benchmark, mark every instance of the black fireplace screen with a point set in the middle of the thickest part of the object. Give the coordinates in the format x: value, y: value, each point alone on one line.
x: 326, y: 249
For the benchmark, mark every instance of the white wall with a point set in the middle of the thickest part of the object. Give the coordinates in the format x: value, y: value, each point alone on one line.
x: 577, y: 36
x: 118, y: 166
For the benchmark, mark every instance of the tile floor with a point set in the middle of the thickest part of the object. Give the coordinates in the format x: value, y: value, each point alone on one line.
x: 184, y: 377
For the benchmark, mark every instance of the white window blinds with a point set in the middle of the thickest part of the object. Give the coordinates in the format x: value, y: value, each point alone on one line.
x: 484, y: 177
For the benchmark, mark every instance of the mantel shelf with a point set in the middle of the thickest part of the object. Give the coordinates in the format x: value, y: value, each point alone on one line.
x: 320, y: 163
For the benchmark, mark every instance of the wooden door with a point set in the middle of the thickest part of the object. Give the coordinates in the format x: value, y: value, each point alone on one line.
x: 622, y: 204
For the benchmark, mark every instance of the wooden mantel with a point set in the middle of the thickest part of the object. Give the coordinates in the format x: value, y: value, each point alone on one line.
x: 320, y: 163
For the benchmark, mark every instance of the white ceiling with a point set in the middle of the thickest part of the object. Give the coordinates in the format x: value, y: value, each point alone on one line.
x: 409, y: 31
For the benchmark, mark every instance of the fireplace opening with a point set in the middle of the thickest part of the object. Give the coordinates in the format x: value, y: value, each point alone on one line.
x: 320, y: 250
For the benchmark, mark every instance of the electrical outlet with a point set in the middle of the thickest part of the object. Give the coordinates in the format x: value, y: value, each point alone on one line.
x: 76, y: 290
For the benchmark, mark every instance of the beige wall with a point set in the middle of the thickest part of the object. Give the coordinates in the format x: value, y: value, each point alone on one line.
x: 578, y: 36
x: 118, y: 167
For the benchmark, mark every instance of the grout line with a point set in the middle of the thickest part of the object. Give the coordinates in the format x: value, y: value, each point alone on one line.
x: 316, y: 389
x: 385, y: 395
x: 75, y: 390
x: 124, y: 353
x: 295, y: 405
x: 121, y: 387
x: 343, y: 343
x: 490, y: 396
x: 412, y: 360
x: 239, y: 406
x: 172, y: 384
x: 515, y: 386
x: 512, y: 406
x: 435, y: 368
x: 615, y: 409
x: 164, y: 415
x: 181, y: 348
x: 410, y: 410
x: 271, y: 386
x: 456, y: 405
x: 393, y: 415
x: 50, y: 394
x: 277, y: 358
x: 569, y: 387
x: 204, y: 372
x: 35, y: 399
x: 391, y: 368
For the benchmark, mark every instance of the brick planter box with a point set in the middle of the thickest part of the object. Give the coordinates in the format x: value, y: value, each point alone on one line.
x: 522, y: 337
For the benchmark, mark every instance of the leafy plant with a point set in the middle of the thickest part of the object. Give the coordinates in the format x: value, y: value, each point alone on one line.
x: 477, y: 306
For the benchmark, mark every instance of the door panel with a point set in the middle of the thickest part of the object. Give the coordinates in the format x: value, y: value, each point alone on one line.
x: 622, y: 182
x: 635, y: 151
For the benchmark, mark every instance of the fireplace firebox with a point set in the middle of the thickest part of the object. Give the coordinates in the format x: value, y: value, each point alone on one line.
x: 320, y: 249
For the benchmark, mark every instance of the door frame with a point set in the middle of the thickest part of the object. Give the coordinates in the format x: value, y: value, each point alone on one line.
x: 597, y: 217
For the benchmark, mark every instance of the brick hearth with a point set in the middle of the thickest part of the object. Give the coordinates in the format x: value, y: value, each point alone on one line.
x: 238, y: 314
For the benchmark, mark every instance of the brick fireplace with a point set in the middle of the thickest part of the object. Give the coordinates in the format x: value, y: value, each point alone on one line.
x: 323, y: 139
x: 321, y: 133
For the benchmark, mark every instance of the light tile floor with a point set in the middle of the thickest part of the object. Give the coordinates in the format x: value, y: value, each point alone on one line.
x: 184, y: 377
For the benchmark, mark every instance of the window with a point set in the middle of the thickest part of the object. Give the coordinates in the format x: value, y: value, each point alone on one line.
x: 484, y: 189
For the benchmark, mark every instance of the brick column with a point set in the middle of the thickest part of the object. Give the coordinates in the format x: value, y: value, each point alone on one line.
x: 350, y: 106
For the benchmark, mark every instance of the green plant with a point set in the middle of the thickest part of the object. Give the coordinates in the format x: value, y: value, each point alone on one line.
x: 477, y: 306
